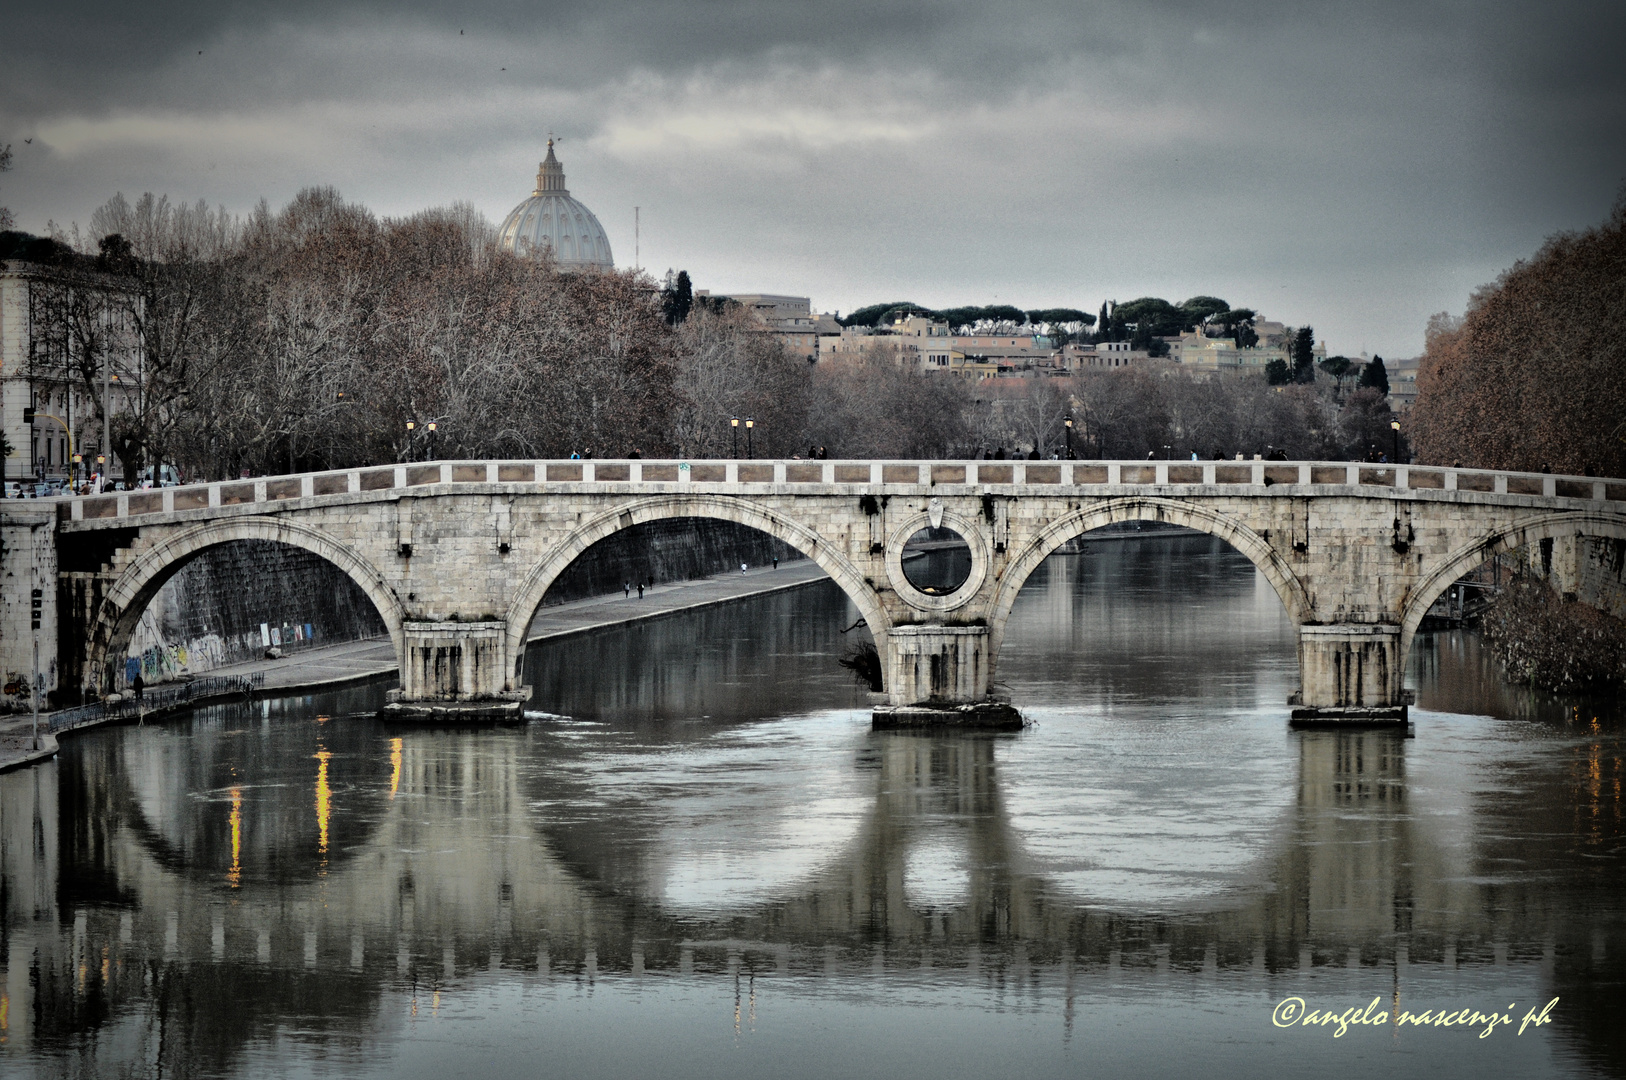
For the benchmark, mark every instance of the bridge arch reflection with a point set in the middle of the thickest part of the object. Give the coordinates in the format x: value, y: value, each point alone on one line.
x: 462, y: 879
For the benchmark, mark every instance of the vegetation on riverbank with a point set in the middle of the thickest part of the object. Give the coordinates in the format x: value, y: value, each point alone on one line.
x: 1552, y: 643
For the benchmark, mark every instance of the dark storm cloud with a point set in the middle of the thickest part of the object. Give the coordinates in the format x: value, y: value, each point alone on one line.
x: 1356, y: 164
x: 53, y: 52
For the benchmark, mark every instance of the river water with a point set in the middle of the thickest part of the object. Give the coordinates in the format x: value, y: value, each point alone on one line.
x: 696, y: 860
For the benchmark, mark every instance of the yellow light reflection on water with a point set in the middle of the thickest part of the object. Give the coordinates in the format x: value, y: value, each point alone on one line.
x: 324, y: 800
x: 395, y: 766
x: 234, y: 876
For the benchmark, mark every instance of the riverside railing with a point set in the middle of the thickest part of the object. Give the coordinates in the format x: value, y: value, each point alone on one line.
x: 161, y: 698
x: 1366, y: 478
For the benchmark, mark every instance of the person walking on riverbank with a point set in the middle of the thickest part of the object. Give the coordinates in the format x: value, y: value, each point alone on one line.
x: 139, y: 686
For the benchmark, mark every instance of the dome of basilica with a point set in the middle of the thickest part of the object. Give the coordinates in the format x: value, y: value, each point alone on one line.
x: 550, y: 218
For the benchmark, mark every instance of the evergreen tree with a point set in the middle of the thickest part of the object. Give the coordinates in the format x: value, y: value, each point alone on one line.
x: 1375, y: 377
x: 6, y: 220
x: 1142, y: 338
x: 1303, y: 353
x: 677, y: 298
x: 1276, y: 373
x: 1103, y: 324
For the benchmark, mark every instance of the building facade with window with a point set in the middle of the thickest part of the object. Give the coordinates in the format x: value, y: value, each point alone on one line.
x: 67, y: 336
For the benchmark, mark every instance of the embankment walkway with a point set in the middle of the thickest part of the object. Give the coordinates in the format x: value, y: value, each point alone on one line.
x: 353, y: 661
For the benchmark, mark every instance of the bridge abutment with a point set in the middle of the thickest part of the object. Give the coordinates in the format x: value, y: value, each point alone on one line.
x: 1350, y: 674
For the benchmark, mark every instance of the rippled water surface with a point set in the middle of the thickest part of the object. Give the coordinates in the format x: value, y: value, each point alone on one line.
x: 697, y: 860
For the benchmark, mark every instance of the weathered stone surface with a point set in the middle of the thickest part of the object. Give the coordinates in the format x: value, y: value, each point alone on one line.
x: 967, y: 716
x: 1356, y: 553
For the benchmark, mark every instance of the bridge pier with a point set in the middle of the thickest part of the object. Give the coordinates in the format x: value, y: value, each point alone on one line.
x: 1350, y: 674
x: 1355, y: 552
x: 937, y: 676
x: 456, y: 670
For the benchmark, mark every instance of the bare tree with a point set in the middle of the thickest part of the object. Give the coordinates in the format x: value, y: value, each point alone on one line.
x: 1532, y: 377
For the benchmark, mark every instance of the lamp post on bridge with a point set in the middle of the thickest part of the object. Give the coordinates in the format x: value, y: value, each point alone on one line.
x: 1069, y: 435
x: 432, y: 454
x: 734, y: 436
x: 412, y: 425
x: 1394, y: 425
x: 750, y: 422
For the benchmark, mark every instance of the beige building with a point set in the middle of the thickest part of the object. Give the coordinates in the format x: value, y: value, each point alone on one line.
x: 914, y: 339
x: 789, y: 317
x: 1104, y: 355
x: 1402, y: 381
x: 1197, y: 351
x: 46, y: 315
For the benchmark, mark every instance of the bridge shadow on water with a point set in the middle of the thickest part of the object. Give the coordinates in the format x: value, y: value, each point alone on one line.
x: 195, y: 890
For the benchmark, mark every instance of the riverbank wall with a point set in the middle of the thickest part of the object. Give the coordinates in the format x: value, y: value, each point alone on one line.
x: 661, y: 552
x: 233, y: 602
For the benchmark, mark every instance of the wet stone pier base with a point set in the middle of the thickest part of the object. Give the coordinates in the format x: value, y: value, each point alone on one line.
x: 1344, y: 716
x: 504, y: 707
x: 948, y: 716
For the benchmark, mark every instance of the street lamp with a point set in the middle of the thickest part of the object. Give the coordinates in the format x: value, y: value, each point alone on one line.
x: 78, y: 460
x: 734, y: 436
x: 411, y: 426
x: 1069, y: 434
x: 750, y: 423
x: 1394, y: 425
x: 432, y: 455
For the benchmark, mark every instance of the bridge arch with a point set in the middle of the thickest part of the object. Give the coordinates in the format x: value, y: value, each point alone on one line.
x: 1293, y: 595
x: 528, y: 597
x: 1529, y: 530
x: 125, y: 602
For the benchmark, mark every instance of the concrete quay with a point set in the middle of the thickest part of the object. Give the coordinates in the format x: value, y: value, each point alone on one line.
x: 359, y: 661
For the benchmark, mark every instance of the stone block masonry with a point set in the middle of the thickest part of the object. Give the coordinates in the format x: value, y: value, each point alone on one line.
x: 447, y: 551
x: 28, y: 561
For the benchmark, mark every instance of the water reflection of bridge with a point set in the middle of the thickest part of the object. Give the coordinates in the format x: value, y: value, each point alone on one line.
x: 133, y: 907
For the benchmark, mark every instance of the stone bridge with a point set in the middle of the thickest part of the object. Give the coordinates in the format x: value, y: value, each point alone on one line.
x: 456, y: 555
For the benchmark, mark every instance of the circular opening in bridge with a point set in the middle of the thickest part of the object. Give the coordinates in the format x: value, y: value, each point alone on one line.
x: 936, y: 561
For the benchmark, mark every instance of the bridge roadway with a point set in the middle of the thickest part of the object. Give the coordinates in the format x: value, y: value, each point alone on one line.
x: 456, y: 555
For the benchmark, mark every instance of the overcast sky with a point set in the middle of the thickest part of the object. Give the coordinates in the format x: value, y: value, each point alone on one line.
x: 1356, y: 166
